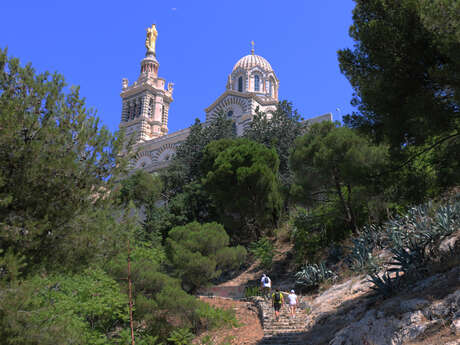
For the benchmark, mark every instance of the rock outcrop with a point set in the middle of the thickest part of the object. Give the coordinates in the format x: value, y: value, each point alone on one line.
x: 349, y: 314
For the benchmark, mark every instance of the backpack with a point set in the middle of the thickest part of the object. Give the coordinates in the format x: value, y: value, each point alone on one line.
x: 266, y: 280
x: 277, y: 298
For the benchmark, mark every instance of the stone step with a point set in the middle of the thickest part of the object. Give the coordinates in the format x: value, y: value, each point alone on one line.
x: 285, y: 325
x: 286, y: 330
x: 281, y: 340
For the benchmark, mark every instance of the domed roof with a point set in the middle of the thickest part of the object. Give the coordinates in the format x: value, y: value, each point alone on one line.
x: 251, y: 60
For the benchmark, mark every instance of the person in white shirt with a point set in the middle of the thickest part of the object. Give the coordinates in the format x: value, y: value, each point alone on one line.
x: 265, y: 284
x: 292, y: 297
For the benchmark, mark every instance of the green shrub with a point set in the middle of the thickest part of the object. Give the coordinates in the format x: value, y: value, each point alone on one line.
x: 11, y: 265
x: 250, y: 291
x: 181, y: 336
x: 217, y: 317
x: 241, y: 176
x: 78, y: 309
x: 124, y: 338
x: 231, y: 258
x: 264, y: 251
x: 206, y: 340
x: 197, y: 253
x: 309, y: 235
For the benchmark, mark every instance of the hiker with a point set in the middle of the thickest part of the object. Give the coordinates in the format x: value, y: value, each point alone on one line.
x: 265, y: 284
x: 292, y: 297
x: 278, y: 300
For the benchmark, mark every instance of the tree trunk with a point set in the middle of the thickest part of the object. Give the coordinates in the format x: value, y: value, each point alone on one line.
x: 130, y: 296
x: 348, y: 215
x: 350, y: 208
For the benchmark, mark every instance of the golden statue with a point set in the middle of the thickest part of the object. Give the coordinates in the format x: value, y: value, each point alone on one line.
x: 151, y: 38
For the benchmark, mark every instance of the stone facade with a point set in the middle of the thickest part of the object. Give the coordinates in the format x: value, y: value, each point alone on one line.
x: 252, y: 84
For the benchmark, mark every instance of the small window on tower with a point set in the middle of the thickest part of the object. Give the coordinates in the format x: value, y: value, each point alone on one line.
x: 139, y: 108
x: 240, y: 84
x: 151, y: 107
x: 256, y: 83
x: 270, y: 87
x: 230, y: 114
x: 128, y: 116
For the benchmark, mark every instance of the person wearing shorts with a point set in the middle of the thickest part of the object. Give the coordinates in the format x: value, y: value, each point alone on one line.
x: 277, y: 300
x: 266, y: 284
x: 292, y: 297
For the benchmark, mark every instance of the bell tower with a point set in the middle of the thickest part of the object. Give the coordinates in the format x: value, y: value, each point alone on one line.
x: 145, y: 103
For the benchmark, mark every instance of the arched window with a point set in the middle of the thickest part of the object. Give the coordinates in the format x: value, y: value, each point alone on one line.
x: 256, y: 83
x: 150, y: 109
x: 270, y: 88
x: 139, y: 107
x: 230, y: 114
x: 128, y: 116
x: 240, y: 84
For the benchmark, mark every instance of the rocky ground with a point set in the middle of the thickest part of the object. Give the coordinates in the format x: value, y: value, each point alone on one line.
x: 250, y: 329
x: 346, y: 314
x: 349, y: 313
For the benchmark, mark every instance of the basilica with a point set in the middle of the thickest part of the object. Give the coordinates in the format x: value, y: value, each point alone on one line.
x: 252, y: 84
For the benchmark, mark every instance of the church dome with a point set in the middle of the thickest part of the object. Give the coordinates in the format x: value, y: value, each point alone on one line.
x: 249, y: 61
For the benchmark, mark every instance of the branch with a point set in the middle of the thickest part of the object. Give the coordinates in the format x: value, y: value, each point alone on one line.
x: 410, y: 159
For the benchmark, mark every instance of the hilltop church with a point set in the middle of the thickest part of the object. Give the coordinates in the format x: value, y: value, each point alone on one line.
x: 252, y: 84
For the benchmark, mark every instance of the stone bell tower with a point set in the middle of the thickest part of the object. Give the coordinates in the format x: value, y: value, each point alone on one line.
x: 145, y: 103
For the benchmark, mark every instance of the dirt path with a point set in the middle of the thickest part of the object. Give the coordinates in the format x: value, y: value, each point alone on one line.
x: 249, y: 332
x: 255, y: 271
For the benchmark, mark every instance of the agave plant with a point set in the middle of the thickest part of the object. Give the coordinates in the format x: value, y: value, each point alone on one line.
x: 412, y: 239
x: 360, y: 258
x: 335, y: 253
x: 448, y: 218
x: 395, y: 233
x: 385, y: 285
x: 313, y: 275
x: 409, y: 260
x: 372, y: 236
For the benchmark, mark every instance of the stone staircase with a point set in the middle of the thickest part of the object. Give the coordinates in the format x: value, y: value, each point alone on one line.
x: 286, y: 330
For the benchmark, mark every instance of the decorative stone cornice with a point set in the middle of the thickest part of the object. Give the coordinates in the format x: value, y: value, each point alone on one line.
x: 248, y: 95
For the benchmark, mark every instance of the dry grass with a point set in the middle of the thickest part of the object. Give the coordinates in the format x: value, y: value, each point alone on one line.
x: 283, y: 234
x: 443, y: 336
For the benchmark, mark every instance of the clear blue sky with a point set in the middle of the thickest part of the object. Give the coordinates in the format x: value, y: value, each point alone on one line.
x: 95, y: 44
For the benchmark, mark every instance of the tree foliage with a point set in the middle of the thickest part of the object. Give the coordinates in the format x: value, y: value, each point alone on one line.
x: 185, y: 198
x: 198, y: 253
x: 241, y: 177
x: 78, y: 309
x: 66, y: 223
x: 56, y: 161
x: 331, y: 162
x: 441, y: 18
x: 190, y: 153
x: 278, y: 130
x: 406, y: 82
x: 141, y: 187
